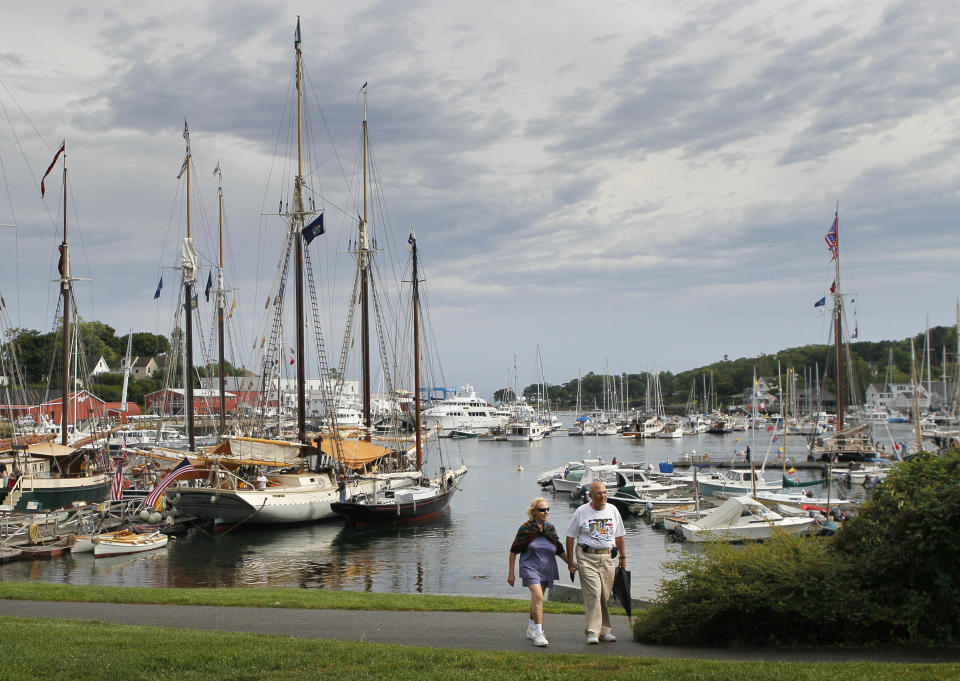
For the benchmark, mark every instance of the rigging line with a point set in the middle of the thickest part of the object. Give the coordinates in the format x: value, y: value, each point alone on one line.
x: 326, y: 127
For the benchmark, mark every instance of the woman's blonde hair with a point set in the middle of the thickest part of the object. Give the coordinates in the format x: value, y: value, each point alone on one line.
x: 533, y: 505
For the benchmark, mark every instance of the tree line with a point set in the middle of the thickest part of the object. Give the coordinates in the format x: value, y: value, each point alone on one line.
x: 39, y: 358
x: 727, y: 379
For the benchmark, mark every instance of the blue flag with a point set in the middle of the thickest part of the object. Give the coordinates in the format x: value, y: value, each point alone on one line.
x: 206, y: 294
x: 821, y: 302
x: 313, y: 230
x: 159, y: 288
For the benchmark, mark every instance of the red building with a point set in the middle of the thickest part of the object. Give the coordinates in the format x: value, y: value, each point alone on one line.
x: 170, y: 402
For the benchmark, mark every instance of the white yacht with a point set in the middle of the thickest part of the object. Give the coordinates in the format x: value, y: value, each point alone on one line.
x: 525, y: 431
x: 465, y: 412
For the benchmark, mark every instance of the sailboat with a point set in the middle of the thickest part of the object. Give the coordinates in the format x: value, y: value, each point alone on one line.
x: 48, y: 475
x: 407, y: 495
x: 853, y: 443
x: 303, y: 475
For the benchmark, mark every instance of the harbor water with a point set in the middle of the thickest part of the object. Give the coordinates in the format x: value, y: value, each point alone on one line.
x: 464, y: 551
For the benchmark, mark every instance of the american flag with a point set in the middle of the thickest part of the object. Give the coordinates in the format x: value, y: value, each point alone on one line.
x: 116, y: 489
x: 833, y: 242
x: 179, y: 470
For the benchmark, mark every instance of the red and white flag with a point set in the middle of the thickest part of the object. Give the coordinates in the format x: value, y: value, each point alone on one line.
x: 179, y: 470
x: 116, y: 489
x: 63, y: 147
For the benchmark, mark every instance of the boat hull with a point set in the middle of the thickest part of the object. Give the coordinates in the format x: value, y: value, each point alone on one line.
x: 397, y: 512
x: 50, y: 493
x: 121, y: 545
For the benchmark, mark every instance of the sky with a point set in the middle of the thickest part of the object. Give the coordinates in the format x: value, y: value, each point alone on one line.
x: 594, y: 187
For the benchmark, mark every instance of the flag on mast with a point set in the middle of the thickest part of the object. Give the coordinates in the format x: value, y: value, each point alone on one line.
x: 313, y: 230
x: 63, y: 147
x: 833, y: 241
x: 159, y: 288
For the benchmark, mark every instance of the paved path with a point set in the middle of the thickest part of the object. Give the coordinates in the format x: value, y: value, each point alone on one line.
x: 470, y: 630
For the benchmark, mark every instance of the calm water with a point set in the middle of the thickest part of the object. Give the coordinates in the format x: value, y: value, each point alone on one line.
x: 463, y: 552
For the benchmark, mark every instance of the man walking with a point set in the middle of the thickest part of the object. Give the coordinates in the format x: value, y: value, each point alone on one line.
x: 598, y: 530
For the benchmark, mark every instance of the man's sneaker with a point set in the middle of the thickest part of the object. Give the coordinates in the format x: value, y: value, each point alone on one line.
x: 531, y: 632
x: 592, y: 638
x: 540, y: 640
x: 609, y: 638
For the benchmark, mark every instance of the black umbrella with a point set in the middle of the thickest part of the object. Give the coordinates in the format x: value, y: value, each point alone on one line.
x: 621, y: 590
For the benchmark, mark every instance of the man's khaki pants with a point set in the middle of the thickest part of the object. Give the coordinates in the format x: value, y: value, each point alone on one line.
x: 596, y: 581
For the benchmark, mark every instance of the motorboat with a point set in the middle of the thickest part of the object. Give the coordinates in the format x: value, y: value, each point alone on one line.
x: 525, y: 431
x: 741, y: 518
x: 464, y: 412
x: 546, y: 478
x: 737, y: 482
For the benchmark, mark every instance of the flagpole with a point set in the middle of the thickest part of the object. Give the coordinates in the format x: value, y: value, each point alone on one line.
x: 220, y: 306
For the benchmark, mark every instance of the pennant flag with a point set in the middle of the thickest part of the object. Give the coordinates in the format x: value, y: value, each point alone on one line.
x: 411, y: 240
x: 116, y: 488
x: 232, y: 307
x: 769, y: 428
x: 855, y: 333
x: 775, y: 438
x: 217, y: 171
x: 821, y: 302
x: 180, y: 470
x: 313, y: 230
x: 833, y: 287
x: 206, y: 294
x: 63, y: 147
x: 833, y: 242
x: 183, y: 168
x: 296, y: 39
x: 792, y: 470
x: 159, y: 288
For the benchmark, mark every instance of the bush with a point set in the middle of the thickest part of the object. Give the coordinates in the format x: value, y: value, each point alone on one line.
x: 905, y: 545
x: 780, y: 592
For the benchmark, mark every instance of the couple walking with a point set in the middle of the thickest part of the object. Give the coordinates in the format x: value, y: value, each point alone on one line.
x: 598, y: 530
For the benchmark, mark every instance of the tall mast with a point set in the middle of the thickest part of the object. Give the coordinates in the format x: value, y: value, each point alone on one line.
x: 221, y: 302
x: 838, y: 325
x: 189, y: 277
x: 297, y: 228
x: 416, y: 349
x: 364, y: 253
x: 65, y: 292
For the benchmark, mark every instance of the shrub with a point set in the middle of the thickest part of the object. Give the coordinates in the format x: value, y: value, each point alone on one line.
x: 781, y: 592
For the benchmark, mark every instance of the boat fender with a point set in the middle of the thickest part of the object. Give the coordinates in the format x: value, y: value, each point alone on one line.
x: 145, y: 515
x: 155, y: 517
x: 71, y: 539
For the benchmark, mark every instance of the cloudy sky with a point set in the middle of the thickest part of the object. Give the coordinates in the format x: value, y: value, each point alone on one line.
x: 625, y: 184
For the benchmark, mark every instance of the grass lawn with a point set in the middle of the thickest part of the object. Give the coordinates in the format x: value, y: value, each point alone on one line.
x: 40, y: 649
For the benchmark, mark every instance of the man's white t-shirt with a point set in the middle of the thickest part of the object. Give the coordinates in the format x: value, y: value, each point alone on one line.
x: 596, y: 529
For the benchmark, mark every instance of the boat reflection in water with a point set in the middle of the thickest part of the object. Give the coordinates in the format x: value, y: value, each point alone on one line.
x: 401, y: 559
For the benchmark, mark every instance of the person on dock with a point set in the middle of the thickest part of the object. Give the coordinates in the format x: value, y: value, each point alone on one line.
x: 598, y: 529
x: 538, y: 545
x: 342, y: 489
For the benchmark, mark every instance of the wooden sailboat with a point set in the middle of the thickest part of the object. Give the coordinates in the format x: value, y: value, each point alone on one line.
x: 47, y: 475
x: 846, y: 444
x: 406, y: 495
x: 302, y: 488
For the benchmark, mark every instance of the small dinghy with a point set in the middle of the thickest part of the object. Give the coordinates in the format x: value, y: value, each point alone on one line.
x: 124, y: 542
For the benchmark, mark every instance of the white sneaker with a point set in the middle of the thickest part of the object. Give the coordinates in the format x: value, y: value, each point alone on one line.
x: 609, y: 638
x: 540, y: 640
x: 531, y: 632
x: 592, y: 638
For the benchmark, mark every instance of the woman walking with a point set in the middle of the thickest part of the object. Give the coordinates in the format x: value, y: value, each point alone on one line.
x: 538, y: 545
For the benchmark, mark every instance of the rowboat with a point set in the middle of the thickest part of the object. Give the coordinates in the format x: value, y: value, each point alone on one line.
x: 124, y: 542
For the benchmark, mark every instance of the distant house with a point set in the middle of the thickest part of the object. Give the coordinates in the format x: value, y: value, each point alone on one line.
x: 144, y: 367
x: 761, y: 394
x: 96, y: 364
x: 899, y: 396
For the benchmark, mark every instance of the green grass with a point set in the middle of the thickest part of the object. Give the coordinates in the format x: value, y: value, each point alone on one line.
x: 311, y: 599
x: 41, y: 649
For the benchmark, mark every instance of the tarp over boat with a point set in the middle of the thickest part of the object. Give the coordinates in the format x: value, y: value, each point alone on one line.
x: 50, y: 449
x: 353, y: 453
